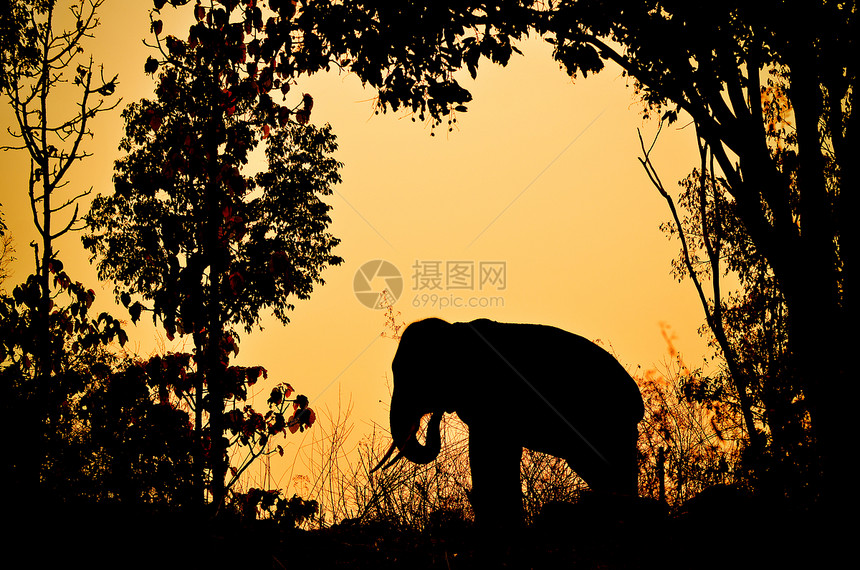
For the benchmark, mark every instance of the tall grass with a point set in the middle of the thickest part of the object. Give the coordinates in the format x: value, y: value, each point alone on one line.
x: 701, y: 439
x: 405, y: 495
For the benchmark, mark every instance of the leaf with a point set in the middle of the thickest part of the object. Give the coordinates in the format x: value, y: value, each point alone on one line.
x: 107, y: 89
x: 157, y: 25
x: 122, y: 187
x: 134, y: 311
x: 237, y: 282
x: 308, y: 102
x: 276, y: 397
x: 670, y: 116
x: 151, y: 65
x: 155, y: 122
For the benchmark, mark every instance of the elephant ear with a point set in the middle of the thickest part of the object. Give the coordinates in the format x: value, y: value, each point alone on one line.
x: 421, y: 345
x: 461, y: 377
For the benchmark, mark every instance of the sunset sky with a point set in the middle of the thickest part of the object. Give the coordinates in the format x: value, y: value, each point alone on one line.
x: 540, y: 175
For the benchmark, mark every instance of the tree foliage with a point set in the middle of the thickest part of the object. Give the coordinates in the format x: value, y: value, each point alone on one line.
x: 771, y: 99
x: 749, y: 326
x: 41, y: 66
x: 203, y: 243
x: 42, y: 410
x: 50, y: 344
x: 17, y: 38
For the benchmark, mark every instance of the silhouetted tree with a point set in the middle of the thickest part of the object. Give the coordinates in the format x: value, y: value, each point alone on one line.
x: 719, y: 64
x: 408, y: 52
x: 47, y: 346
x: 43, y: 416
x: 38, y: 62
x: 119, y: 445
x: 203, y: 243
x: 749, y: 324
x: 137, y: 431
x: 723, y: 66
x: 17, y: 39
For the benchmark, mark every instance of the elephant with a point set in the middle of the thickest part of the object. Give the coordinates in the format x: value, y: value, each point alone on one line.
x: 515, y: 386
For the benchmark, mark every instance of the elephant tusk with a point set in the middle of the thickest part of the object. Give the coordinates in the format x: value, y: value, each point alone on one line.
x: 397, y: 458
x: 391, y: 449
x: 385, y: 458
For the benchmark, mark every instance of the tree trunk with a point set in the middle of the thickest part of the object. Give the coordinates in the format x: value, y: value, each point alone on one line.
x: 214, y: 368
x: 199, y: 464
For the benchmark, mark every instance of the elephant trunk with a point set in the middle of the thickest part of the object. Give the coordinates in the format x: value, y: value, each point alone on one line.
x: 406, y: 440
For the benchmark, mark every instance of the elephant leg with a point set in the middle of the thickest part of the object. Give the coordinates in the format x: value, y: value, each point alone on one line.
x: 629, y: 464
x: 496, y: 487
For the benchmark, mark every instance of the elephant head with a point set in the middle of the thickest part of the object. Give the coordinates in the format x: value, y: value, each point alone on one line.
x: 416, y: 372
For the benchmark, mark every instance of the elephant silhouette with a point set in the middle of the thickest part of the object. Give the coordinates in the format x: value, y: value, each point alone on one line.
x: 515, y: 386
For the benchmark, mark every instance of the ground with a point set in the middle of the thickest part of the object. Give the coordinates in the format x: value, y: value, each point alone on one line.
x: 721, y: 532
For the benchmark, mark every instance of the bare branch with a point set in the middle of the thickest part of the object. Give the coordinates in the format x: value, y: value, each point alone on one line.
x: 68, y: 226
x: 713, y: 317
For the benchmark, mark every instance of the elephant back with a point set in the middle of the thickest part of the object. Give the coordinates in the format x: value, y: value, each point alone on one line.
x: 551, y: 372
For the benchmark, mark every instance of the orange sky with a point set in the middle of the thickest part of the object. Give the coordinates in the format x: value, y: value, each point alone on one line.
x: 542, y: 171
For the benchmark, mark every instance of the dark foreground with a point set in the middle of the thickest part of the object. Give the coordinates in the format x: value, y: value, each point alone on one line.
x: 720, y: 533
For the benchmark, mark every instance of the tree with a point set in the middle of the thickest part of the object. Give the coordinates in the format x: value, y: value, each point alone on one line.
x: 138, y: 431
x: 43, y: 416
x: 748, y: 327
x: 17, y: 40
x: 203, y: 244
x: 46, y: 347
x: 723, y: 66
x: 37, y: 63
x: 137, y: 448
x: 408, y: 52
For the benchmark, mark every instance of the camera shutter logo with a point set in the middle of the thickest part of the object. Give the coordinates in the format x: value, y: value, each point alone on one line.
x: 363, y: 280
